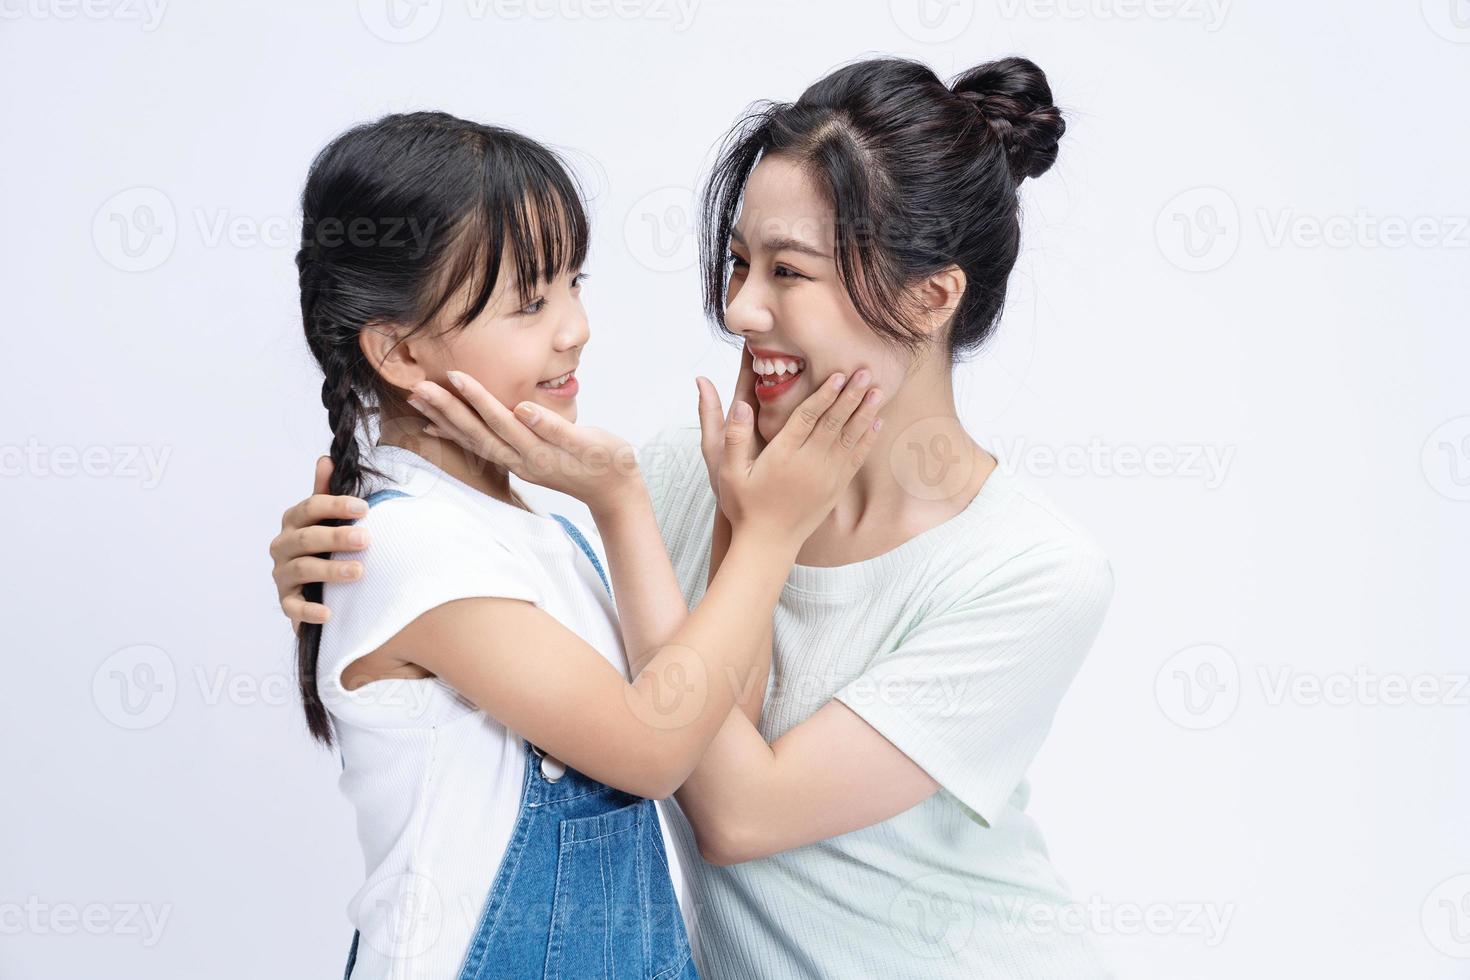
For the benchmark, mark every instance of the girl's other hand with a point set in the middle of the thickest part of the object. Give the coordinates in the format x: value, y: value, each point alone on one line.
x: 304, y: 537
x: 535, y: 444
x: 794, y: 483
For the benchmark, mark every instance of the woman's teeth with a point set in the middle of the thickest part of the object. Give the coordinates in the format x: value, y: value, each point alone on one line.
x: 775, y: 370
x: 555, y: 382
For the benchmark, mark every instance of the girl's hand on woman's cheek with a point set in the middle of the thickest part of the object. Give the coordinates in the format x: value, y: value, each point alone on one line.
x: 534, y: 443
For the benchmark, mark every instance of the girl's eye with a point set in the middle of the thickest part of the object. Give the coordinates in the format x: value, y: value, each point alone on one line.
x: 786, y: 272
x: 578, y: 279
x: 734, y: 260
x: 535, y: 306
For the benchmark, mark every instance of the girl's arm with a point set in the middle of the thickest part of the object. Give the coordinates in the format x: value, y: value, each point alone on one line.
x: 539, y: 679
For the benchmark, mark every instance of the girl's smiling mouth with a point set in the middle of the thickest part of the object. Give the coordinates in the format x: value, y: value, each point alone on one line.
x: 564, y: 386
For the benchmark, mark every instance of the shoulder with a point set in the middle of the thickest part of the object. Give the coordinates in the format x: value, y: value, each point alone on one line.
x: 1030, y: 550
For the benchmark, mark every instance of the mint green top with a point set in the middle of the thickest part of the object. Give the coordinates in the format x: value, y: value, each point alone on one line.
x: 957, y: 646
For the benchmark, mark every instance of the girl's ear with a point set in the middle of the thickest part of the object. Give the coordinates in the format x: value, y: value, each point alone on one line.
x: 941, y: 294
x: 388, y: 348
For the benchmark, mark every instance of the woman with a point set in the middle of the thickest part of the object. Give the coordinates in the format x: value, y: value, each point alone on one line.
x: 873, y: 823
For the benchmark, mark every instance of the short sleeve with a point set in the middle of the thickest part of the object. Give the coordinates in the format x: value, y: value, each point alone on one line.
x: 424, y: 552
x: 970, y: 691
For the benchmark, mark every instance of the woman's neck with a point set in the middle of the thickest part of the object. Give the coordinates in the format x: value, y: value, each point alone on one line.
x: 923, y: 469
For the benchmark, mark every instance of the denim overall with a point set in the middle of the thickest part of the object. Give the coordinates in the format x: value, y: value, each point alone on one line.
x: 583, y: 891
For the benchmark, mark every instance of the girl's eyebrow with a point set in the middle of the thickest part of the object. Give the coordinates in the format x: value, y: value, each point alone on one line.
x: 783, y: 244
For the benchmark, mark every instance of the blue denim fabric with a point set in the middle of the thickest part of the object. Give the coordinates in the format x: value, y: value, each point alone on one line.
x: 584, y: 890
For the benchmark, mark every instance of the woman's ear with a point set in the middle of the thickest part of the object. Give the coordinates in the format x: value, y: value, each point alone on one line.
x: 941, y: 294
x: 390, y: 351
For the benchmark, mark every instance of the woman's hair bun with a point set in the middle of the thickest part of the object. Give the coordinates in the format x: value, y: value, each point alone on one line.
x: 1014, y: 99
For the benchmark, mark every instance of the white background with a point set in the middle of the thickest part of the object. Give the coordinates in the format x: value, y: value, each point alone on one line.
x: 1250, y: 261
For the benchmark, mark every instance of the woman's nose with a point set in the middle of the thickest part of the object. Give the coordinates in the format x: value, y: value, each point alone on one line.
x: 745, y: 315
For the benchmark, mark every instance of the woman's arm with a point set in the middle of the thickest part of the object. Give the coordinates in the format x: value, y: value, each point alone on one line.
x: 963, y: 703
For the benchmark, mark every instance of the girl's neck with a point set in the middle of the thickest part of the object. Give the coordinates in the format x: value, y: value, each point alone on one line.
x: 487, y: 477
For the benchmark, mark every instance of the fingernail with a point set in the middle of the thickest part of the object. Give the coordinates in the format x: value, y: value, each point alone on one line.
x: 875, y: 396
x: 357, y: 538
x: 456, y: 379
x: 528, y: 413
x: 841, y: 380
x: 741, y: 412
x: 877, y: 425
x: 351, y: 571
x: 861, y: 378
x: 356, y: 506
x: 416, y: 405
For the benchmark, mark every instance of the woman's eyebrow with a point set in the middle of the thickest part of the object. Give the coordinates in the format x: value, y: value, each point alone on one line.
x: 783, y: 244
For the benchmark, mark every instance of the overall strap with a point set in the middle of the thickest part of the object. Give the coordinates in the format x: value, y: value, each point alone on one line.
x: 576, y: 536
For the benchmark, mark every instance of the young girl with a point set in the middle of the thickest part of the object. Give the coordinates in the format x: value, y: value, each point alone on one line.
x: 499, y: 760
x: 871, y: 820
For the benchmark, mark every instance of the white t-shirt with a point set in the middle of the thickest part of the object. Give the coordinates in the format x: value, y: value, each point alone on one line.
x: 436, y: 783
x: 957, y: 646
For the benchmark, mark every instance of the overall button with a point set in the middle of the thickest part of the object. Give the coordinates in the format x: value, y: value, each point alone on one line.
x: 552, y: 768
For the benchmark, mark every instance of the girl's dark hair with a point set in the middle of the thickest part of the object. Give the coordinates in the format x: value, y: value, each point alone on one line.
x: 399, y: 216
x: 920, y: 176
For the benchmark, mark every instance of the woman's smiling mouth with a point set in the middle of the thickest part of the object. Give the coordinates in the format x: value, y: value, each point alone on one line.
x: 775, y: 372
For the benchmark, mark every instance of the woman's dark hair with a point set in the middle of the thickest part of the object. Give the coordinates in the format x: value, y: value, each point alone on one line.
x: 400, y: 216
x: 920, y: 176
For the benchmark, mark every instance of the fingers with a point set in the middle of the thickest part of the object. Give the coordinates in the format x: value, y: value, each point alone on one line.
x: 292, y: 575
x: 711, y: 418
x: 300, y: 611
x: 840, y: 413
x: 479, y: 426
x: 863, y: 424
x: 739, y: 449
x: 317, y: 539
x: 321, y: 507
x: 799, y: 427
x: 323, y: 481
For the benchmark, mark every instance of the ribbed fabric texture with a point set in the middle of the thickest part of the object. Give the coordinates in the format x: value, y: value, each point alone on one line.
x: 435, y: 782
x: 957, y: 646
